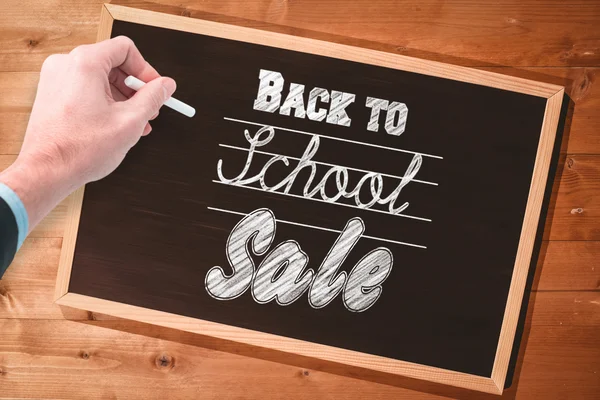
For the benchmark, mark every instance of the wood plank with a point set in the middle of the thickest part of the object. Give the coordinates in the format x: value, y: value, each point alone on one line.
x: 574, y: 212
x: 287, y: 344
x: 565, y: 308
x: 17, y: 91
x: 27, y: 288
x: 69, y: 242
x: 12, y: 130
x: 46, y: 358
x: 110, y: 358
x: 557, y: 364
x: 568, y: 266
x: 31, y: 30
x: 509, y: 32
x: 582, y: 135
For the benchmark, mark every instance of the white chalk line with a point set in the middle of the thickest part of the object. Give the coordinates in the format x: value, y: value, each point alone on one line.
x: 322, y: 228
x: 324, y: 163
x: 323, y: 201
x: 334, y: 138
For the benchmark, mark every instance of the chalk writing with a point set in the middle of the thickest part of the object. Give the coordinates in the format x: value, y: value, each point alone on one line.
x: 338, y: 174
x: 268, y: 99
x: 281, y: 276
x: 259, y: 227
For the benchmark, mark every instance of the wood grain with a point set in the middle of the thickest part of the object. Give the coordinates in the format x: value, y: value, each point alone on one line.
x: 574, y: 212
x: 105, y: 25
x: 64, y: 359
x: 566, y: 308
x: 12, y: 130
x: 288, y: 345
x: 31, y: 30
x: 566, y: 265
x: 17, y: 91
x: 583, y: 125
x: 340, y: 51
x: 116, y: 358
x: 68, y: 245
x: 26, y: 291
x: 508, y: 32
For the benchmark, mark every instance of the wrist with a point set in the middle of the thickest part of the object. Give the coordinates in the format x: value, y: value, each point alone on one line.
x: 39, y: 186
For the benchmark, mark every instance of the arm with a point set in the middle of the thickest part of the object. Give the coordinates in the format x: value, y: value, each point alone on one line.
x: 83, y: 123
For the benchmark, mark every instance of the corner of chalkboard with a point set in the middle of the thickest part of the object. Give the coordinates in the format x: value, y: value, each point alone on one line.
x: 522, y: 334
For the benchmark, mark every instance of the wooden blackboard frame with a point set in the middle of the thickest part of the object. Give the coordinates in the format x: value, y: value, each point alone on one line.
x: 492, y: 384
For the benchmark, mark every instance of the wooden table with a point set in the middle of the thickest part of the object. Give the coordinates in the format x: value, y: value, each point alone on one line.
x: 51, y: 352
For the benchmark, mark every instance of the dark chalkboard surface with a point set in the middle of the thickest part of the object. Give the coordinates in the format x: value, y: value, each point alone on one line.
x: 431, y: 274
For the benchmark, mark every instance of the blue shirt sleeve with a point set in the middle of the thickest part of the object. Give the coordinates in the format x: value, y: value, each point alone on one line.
x: 18, y: 209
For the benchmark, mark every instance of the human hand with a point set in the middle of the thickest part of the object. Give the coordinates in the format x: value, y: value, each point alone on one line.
x: 84, y: 118
x: 84, y: 121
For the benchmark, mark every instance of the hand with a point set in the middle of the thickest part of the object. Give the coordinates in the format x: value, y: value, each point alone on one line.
x: 84, y: 118
x: 84, y: 121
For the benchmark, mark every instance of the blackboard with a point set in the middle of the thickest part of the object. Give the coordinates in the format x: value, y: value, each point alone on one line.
x: 378, y: 210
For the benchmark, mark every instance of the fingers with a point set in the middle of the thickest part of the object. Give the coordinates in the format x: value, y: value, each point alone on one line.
x: 147, y: 130
x: 148, y: 100
x: 116, y: 94
x: 116, y: 77
x: 121, y: 52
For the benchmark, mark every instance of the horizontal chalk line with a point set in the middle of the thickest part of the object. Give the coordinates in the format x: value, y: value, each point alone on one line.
x: 334, y: 138
x: 323, y: 201
x: 328, y: 164
x: 321, y: 228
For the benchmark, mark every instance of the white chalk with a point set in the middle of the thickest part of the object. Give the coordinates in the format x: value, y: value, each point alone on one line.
x: 179, y: 106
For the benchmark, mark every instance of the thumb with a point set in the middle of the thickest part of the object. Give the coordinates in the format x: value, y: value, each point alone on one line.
x: 147, y: 101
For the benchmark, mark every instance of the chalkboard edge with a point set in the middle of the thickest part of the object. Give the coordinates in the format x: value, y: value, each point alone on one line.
x: 327, y: 49
x: 528, y: 236
x: 280, y: 343
x: 65, y: 263
x: 493, y: 384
